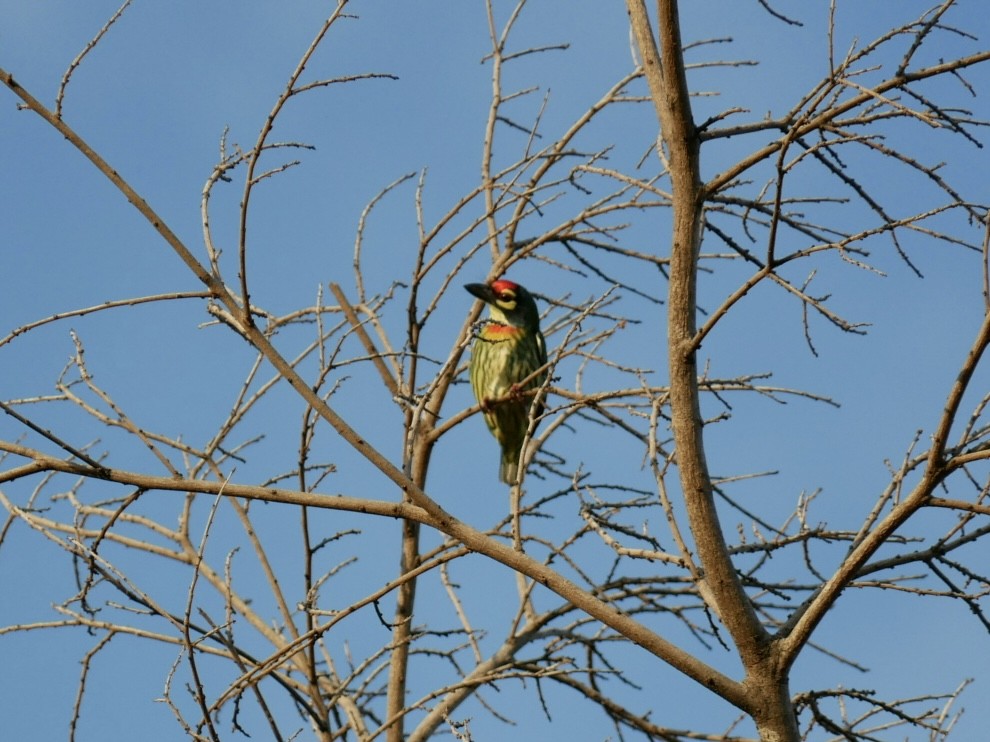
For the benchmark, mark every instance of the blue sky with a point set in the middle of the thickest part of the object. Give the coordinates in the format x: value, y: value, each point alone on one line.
x: 155, y: 98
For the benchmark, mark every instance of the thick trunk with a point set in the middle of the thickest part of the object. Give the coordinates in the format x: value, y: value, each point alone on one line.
x: 767, y: 693
x: 771, y: 707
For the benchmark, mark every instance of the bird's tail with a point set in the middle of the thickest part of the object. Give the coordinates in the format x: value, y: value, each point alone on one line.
x: 508, y: 469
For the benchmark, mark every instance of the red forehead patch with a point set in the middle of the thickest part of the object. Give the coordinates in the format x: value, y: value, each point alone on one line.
x: 503, y: 284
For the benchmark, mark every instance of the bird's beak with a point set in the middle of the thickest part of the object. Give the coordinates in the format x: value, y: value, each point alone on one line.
x: 481, y: 290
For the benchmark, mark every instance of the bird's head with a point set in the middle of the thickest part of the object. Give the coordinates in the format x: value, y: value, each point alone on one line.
x: 508, y: 302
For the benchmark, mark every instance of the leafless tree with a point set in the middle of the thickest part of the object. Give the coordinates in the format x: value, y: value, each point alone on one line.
x: 259, y: 557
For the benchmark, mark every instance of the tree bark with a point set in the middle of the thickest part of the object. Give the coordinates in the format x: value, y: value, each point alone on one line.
x: 768, y: 694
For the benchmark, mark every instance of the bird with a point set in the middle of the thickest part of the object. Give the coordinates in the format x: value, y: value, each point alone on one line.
x: 508, y: 359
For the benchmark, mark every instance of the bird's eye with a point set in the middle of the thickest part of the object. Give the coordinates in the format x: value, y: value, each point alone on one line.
x: 506, y: 296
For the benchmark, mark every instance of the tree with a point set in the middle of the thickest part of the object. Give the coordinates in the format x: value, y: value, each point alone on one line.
x: 236, y: 509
